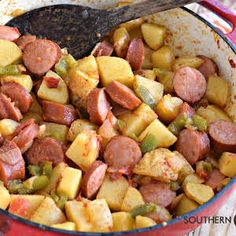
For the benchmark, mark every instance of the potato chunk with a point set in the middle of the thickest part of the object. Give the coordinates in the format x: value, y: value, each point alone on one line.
x: 59, y: 94
x: 217, y: 90
x: 189, y: 61
x: 65, y: 226
x: 9, y: 53
x: 153, y: 35
x: 4, y: 197
x: 113, y: 191
x: 7, y: 126
x: 122, y: 221
x: 147, y: 63
x: 227, y: 164
x: 84, y: 150
x: 192, y: 178
x: 200, y: 193
x: 143, y: 222
x: 121, y: 40
x: 115, y: 68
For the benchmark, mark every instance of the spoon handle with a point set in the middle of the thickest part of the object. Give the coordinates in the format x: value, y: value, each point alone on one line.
x: 145, y: 8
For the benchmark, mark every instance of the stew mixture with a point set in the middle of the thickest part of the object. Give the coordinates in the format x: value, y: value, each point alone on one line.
x: 128, y: 137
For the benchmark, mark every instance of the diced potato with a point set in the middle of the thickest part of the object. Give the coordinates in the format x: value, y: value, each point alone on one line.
x: 150, y: 92
x: 113, y: 191
x: 121, y: 41
x: 212, y: 113
x: 147, y: 63
x: 23, y: 80
x: 48, y: 213
x: 132, y: 199
x: 200, y: 193
x: 35, y: 107
x: 80, y: 85
x: 32, y: 115
x: 153, y: 35
x: 5, y: 197
x: 163, y: 58
x: 189, y: 61
x: 149, y: 74
x: 137, y: 120
x: 100, y: 215
x: 84, y: 150
x: 88, y: 65
x: 56, y: 131
x: 7, y: 126
x: 115, y: 68
x: 65, y: 226
x: 79, y: 126
x: 192, y: 178
x: 161, y: 164
x: 69, y: 183
x: 217, y: 90
x: 55, y: 177
x: 59, y: 94
x: 9, y: 53
x: 77, y: 212
x: 25, y: 205
x: 133, y: 24
x: 186, y: 170
x: 143, y: 222
x: 135, y: 33
x: 122, y: 221
x: 168, y: 108
x: 185, y: 205
x: 227, y: 164
x: 163, y: 137
x: 166, y: 78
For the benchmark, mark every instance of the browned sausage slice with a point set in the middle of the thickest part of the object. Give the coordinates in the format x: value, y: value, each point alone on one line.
x: 9, y: 33
x: 158, y: 193
x: 40, y: 56
x: 8, y: 109
x: 215, y: 178
x: 24, y: 40
x: 186, y: 108
x: 193, y: 145
x: 208, y: 68
x: 58, y: 113
x: 123, y: 95
x: 59, y: 53
x: 26, y: 136
x: 103, y: 49
x: 118, y: 110
x: 12, y: 165
x: 97, y: 106
x: 223, y: 136
x: 122, y: 152
x: 18, y: 94
x: 46, y: 149
x: 135, y: 54
x: 93, y: 179
x: 189, y: 84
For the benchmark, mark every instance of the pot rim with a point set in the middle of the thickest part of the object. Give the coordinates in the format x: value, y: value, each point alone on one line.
x: 158, y: 226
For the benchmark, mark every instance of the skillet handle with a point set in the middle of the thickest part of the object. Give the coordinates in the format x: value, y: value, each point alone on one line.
x: 227, y: 14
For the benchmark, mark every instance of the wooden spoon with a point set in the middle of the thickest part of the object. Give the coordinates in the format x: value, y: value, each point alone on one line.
x: 80, y: 28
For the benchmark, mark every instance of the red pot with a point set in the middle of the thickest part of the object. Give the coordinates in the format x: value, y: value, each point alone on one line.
x: 191, y: 34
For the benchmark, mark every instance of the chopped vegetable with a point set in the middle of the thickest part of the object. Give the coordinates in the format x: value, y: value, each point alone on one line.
x: 203, y: 169
x: 64, y: 64
x: 10, y: 70
x: 178, y: 124
x: 34, y: 170
x: 200, y: 123
x: 143, y: 209
x: 174, y: 186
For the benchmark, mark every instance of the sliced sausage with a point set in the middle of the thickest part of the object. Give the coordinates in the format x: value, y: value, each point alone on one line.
x: 46, y: 149
x: 59, y: 53
x: 189, y: 84
x: 25, y: 138
x: 123, y: 95
x: 208, y: 67
x: 97, y: 106
x: 135, y: 54
x: 158, y: 193
x: 40, y: 56
x: 12, y: 165
x: 118, y: 110
x: 93, y: 179
x: 103, y: 49
x: 8, y: 109
x: 122, y: 152
x: 215, y: 178
x: 223, y: 136
x: 186, y: 108
x: 18, y: 94
x: 193, y: 145
x: 24, y: 40
x: 9, y: 33
x: 58, y: 113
